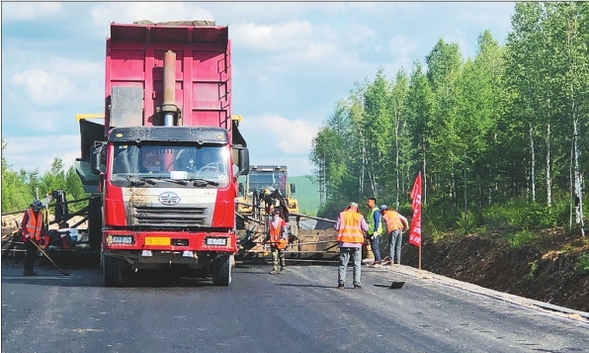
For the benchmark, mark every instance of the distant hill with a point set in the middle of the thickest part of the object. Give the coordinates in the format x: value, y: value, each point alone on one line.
x: 307, y: 193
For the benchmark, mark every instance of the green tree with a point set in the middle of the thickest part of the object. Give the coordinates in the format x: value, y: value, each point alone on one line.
x: 15, y: 193
x: 444, y: 67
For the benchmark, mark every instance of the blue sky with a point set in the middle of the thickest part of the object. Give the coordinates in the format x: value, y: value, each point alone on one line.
x: 291, y: 62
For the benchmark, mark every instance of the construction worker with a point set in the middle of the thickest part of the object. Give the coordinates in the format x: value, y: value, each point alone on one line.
x: 350, y: 225
x: 32, y: 231
x: 374, y: 230
x: 278, y: 238
x: 395, y: 224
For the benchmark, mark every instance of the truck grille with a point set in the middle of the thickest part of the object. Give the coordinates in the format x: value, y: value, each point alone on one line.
x: 175, y: 217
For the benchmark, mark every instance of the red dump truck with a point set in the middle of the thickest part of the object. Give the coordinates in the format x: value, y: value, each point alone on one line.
x: 165, y: 163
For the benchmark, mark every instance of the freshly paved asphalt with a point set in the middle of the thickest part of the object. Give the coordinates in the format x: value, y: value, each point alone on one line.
x: 299, y: 311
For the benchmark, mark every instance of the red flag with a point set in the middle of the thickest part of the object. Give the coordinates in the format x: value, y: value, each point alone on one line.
x: 415, y: 230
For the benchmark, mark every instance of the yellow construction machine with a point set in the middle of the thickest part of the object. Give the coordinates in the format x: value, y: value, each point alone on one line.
x: 261, y: 181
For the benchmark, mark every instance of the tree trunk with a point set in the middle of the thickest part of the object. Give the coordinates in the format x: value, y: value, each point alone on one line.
x: 532, y: 164
x: 453, y: 186
x: 548, y: 167
x: 465, y: 185
x: 578, y: 189
x: 397, y: 161
x: 424, y: 180
x: 361, y: 181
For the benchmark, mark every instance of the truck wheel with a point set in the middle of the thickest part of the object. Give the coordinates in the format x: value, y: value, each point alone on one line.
x: 112, y: 270
x: 222, y: 271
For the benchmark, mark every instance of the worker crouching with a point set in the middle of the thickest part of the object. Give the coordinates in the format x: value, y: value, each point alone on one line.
x: 278, y: 239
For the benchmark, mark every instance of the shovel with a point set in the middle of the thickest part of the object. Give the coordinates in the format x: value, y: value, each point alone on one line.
x: 394, y: 285
x: 48, y: 258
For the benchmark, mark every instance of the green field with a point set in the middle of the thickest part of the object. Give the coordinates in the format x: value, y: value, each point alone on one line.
x: 307, y: 193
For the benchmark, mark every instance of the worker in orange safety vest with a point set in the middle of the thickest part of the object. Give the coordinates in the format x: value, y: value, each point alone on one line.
x: 32, y: 231
x: 395, y: 224
x: 350, y: 226
x: 278, y: 239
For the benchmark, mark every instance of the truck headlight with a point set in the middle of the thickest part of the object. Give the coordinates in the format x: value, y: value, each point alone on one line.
x: 216, y: 241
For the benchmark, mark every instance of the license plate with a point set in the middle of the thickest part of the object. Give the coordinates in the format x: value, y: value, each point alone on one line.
x: 157, y: 241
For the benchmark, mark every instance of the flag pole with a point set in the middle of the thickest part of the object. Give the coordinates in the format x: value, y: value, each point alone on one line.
x: 419, y: 260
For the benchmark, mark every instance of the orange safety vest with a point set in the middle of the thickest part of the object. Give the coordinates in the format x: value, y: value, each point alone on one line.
x: 349, y: 227
x: 276, y: 234
x: 34, y: 225
x: 393, y: 221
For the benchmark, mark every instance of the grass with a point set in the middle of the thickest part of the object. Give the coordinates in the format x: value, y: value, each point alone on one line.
x: 522, y: 237
x: 583, y: 264
x: 533, y: 269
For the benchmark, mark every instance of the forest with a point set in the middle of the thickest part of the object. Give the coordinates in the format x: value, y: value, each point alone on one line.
x: 500, y: 139
x: 20, y: 188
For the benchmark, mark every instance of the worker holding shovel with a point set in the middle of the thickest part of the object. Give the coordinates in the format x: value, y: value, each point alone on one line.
x: 31, y: 233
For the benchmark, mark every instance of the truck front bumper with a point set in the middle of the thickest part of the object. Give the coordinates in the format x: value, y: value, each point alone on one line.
x: 157, y: 259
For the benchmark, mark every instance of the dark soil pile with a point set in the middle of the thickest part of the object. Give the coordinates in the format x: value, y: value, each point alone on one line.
x: 543, y: 270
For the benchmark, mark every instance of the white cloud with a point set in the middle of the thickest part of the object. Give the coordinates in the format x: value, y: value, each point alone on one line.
x: 321, y: 51
x: 45, y: 89
x: 273, y: 139
x: 27, y: 11
x: 403, y: 51
x: 360, y: 34
x: 128, y: 12
x: 290, y: 136
x: 489, y: 15
x: 401, y: 46
x: 288, y: 36
x: 54, y: 81
x: 30, y: 153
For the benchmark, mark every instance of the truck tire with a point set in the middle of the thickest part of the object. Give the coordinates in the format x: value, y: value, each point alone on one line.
x: 222, y: 270
x: 112, y: 270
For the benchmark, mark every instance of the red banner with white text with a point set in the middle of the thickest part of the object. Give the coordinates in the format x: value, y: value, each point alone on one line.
x: 415, y: 230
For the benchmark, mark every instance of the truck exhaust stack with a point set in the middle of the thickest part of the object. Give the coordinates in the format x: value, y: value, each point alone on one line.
x: 169, y: 108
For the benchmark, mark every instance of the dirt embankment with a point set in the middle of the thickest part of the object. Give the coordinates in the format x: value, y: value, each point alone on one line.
x: 544, y: 271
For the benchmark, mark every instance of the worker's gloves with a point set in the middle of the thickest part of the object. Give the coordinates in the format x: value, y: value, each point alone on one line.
x: 27, y: 236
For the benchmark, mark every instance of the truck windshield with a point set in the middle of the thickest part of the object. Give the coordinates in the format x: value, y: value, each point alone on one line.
x: 259, y: 181
x: 177, y: 162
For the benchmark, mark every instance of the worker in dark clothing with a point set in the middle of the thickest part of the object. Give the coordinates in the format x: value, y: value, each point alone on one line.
x: 374, y: 230
x: 32, y: 231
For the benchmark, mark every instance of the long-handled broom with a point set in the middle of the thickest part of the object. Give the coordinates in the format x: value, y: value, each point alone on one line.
x: 47, y: 256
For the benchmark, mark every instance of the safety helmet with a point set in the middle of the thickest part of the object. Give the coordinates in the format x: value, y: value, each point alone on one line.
x: 37, y: 205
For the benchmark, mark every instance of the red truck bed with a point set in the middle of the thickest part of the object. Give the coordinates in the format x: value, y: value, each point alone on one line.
x: 135, y: 58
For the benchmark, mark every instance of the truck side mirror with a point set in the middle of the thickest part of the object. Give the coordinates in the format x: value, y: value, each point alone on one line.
x: 243, y: 162
x: 293, y: 189
x: 95, y: 157
x: 240, y: 188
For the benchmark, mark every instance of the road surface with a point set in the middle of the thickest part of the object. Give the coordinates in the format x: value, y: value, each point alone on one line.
x: 299, y: 311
